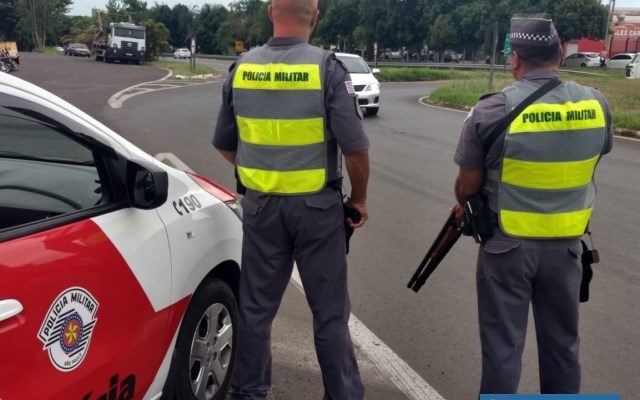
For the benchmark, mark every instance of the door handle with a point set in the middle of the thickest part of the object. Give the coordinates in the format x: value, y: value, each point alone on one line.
x: 9, y: 308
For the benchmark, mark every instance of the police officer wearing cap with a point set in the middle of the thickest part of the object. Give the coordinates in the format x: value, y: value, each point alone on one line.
x: 288, y: 114
x: 537, y: 178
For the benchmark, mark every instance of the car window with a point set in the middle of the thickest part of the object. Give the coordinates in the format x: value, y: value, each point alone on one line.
x: 355, y: 65
x: 620, y: 57
x: 580, y: 55
x: 44, y: 173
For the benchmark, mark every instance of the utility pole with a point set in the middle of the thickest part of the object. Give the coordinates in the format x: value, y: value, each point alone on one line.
x: 494, y: 45
x: 608, y: 36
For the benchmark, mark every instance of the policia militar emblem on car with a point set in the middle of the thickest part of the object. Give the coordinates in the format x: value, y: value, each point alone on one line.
x: 66, y: 330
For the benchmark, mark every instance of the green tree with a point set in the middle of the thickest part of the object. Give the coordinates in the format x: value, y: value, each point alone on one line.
x: 182, y: 25
x: 82, y: 30
x: 576, y: 19
x: 157, y: 39
x: 261, y: 28
x: 443, y: 34
x: 8, y: 20
x: 210, y: 19
x: 41, y: 21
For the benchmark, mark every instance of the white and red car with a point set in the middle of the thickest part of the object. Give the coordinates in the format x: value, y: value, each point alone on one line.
x: 118, y: 273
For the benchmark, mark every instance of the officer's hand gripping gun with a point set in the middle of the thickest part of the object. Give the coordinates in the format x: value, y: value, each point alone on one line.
x: 447, y: 237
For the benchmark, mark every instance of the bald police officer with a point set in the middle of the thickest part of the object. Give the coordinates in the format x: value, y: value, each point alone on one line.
x: 288, y: 112
x: 538, y: 179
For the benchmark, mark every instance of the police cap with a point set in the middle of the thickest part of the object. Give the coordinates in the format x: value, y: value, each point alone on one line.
x: 533, y: 30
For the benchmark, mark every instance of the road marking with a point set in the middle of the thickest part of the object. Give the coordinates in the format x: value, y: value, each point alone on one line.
x: 389, y: 363
x: 119, y: 98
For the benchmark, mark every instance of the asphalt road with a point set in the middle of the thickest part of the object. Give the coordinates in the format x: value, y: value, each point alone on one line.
x: 412, y: 147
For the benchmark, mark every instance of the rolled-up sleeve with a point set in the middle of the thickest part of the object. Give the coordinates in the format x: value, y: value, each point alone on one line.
x: 343, y: 115
x: 225, y: 136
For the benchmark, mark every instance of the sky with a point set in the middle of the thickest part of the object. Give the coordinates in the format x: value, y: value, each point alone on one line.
x: 83, y: 7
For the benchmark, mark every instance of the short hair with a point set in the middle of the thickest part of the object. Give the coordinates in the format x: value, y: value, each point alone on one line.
x: 539, y: 56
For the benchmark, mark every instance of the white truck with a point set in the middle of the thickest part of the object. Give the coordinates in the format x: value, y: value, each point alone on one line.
x: 122, y: 41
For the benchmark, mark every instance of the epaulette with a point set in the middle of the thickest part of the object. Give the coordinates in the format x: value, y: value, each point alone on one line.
x: 486, y: 96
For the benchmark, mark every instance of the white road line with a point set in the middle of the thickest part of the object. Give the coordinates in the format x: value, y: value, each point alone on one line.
x: 119, y: 98
x: 389, y: 363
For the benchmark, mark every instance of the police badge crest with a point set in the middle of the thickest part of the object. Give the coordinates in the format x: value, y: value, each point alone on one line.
x: 66, y: 330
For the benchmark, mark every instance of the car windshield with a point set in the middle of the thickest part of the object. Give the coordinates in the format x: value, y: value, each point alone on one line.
x: 593, y: 55
x: 82, y: 46
x: 355, y: 65
x: 130, y: 33
x: 636, y: 58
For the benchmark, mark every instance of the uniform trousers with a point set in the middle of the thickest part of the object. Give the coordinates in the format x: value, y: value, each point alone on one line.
x: 513, y: 273
x: 309, y: 230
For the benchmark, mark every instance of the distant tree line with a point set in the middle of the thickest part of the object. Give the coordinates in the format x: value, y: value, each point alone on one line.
x: 349, y: 25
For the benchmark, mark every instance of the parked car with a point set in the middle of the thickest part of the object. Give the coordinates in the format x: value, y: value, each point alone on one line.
x: 582, y: 59
x: 451, y: 56
x: 620, y: 60
x: 119, y: 273
x: 391, y: 55
x: 365, y: 85
x: 182, y: 53
x: 78, y: 50
x: 633, y: 68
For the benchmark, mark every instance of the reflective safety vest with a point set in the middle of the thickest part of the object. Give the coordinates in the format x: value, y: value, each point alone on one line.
x: 278, y: 101
x: 545, y: 184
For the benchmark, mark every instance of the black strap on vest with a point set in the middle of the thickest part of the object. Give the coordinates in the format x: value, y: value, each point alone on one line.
x: 506, y: 121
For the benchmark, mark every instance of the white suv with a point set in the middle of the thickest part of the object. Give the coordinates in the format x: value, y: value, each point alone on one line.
x: 365, y: 84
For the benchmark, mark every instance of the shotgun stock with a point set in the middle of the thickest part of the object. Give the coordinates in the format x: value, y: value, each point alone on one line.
x: 447, y: 237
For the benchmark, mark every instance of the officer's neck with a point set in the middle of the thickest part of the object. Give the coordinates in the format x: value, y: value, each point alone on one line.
x: 522, y: 70
x: 302, y: 32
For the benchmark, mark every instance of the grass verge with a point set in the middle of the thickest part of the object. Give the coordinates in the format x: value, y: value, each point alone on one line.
x: 182, y: 68
x: 622, y: 94
x: 430, y: 74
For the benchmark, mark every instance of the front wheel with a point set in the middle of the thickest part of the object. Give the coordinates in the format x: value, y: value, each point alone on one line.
x: 205, y: 349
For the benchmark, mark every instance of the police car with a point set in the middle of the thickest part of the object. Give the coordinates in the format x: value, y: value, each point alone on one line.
x: 118, y: 274
x: 366, y: 85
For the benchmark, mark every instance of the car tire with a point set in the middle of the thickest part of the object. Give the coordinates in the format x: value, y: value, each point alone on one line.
x: 372, y: 111
x: 209, y: 321
x: 583, y: 65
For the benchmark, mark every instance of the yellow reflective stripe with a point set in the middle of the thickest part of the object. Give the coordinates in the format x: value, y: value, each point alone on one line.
x: 543, y: 117
x: 281, y: 132
x: 283, y: 182
x: 534, y: 225
x: 277, y: 77
x: 548, y: 175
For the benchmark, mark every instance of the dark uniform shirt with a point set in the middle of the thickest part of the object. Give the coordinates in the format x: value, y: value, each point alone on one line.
x: 488, y: 113
x: 343, y: 119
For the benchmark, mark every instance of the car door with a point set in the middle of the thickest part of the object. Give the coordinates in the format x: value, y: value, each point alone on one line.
x: 85, y: 279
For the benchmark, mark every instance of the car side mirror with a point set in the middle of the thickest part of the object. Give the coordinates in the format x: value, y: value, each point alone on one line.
x: 147, y: 185
x: 375, y: 71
